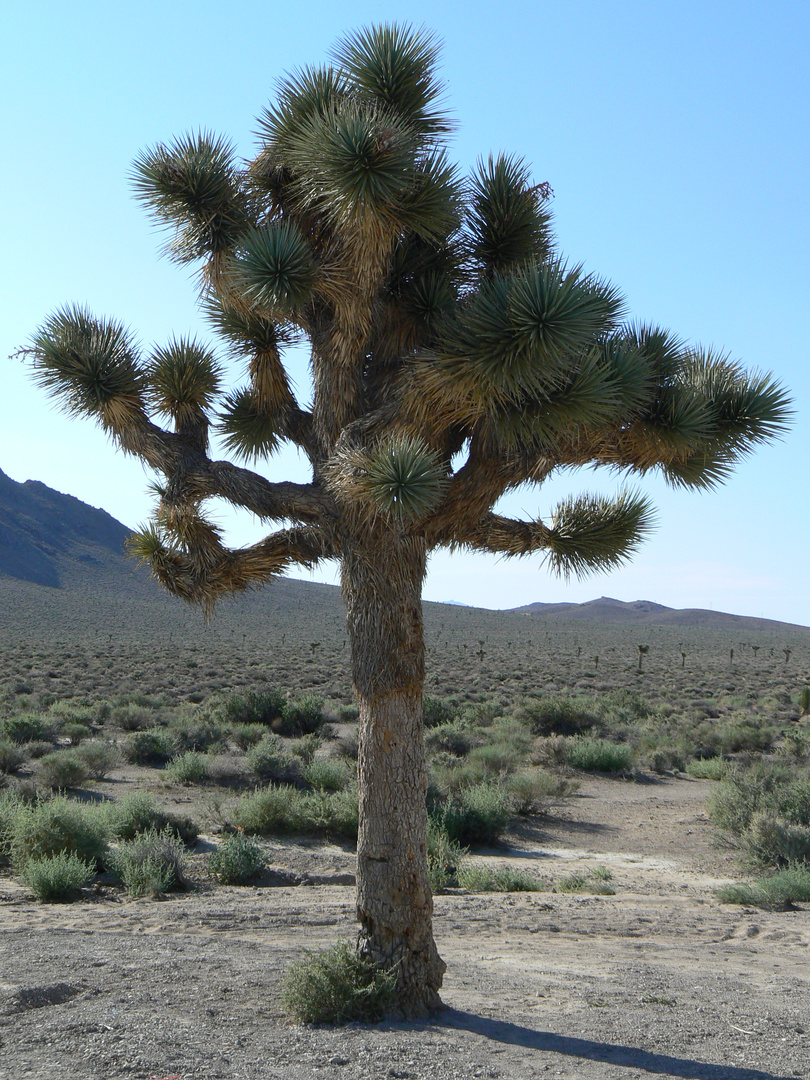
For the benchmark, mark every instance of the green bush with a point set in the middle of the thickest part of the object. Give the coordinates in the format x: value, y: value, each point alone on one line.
x: 444, y: 856
x: 271, y: 761
x: 347, y: 714
x: 56, y: 878
x: 138, y: 813
x: 336, y: 986
x: 531, y: 791
x: 12, y: 756
x: 595, y: 882
x: 246, y: 735
x: 58, y: 824
x: 476, y: 877
x: 713, y: 768
x: 599, y: 755
x: 778, y: 787
x: 63, y: 769
x: 99, y: 757
x: 237, y: 860
x: 456, y: 738
x: 301, y: 716
x: 150, y: 864
x: 76, y: 732
x: 197, y: 735
x: 437, y: 711
x: 10, y: 806
x: 778, y: 892
x: 253, y: 706
x: 154, y: 746
x: 558, y: 715
x: 28, y: 727
x: 328, y: 774
x: 188, y: 768
x: 281, y: 811
x: 770, y: 840
x: 478, y: 814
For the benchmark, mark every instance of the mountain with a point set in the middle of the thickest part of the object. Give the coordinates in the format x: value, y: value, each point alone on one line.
x: 63, y: 562
x: 52, y: 539
x: 643, y: 613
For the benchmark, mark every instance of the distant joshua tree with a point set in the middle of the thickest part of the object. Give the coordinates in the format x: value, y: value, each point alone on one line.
x: 455, y: 356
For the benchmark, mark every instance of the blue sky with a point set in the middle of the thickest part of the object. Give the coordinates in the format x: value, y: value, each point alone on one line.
x: 674, y: 137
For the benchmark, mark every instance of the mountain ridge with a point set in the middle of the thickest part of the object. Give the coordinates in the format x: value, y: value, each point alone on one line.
x: 54, y: 540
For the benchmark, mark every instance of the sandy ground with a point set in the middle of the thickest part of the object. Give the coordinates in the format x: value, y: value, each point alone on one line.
x: 657, y: 980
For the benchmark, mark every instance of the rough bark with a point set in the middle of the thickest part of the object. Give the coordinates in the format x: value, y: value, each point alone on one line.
x: 382, y: 584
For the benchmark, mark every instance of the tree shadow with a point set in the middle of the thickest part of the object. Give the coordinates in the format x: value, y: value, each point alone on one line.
x: 503, y: 1031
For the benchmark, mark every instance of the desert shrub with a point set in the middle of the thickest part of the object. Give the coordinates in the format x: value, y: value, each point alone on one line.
x: 497, y: 759
x: 271, y: 811
x: 327, y: 774
x: 777, y: 787
x: 12, y: 756
x: 28, y: 727
x: 482, y: 713
x: 336, y: 986
x: 475, y: 877
x: 306, y: 746
x: 778, y: 892
x: 478, y: 814
x: 558, y: 715
x: 10, y: 805
x: 531, y: 791
x: 98, y: 757
x: 255, y: 706
x: 188, y: 768
x: 444, y: 856
x: 237, y: 860
x: 623, y: 707
x: 38, y: 748
x: 456, y: 738
x: 62, y: 770
x: 593, y: 882
x: 132, y: 717
x: 745, y: 735
x: 303, y: 715
x: 138, y: 813
x: 271, y: 762
x: 550, y: 751
x: 347, y: 714
x: 153, y: 746
x: 151, y: 863
x: 76, y: 732
x: 599, y: 755
x: 347, y: 746
x: 770, y: 840
x: 58, y: 824
x: 246, y: 735
x: 436, y: 711
x: 197, y: 735
x: 281, y: 811
x: 225, y: 769
x: 715, y: 768
x: 56, y: 878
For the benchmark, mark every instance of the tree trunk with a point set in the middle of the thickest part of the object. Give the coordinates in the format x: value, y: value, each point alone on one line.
x: 382, y: 587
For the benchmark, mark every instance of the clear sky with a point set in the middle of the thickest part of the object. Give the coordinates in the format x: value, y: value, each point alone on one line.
x: 675, y: 137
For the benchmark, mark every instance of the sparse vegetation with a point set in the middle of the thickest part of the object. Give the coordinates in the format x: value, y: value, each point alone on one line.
x: 337, y: 986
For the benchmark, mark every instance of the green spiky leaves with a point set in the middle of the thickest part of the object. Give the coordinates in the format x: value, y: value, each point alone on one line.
x: 184, y: 380
x: 398, y: 476
x: 193, y: 185
x: 276, y: 269
x: 507, y: 222
x: 395, y: 65
x: 593, y: 533
x: 247, y: 431
x: 89, y: 364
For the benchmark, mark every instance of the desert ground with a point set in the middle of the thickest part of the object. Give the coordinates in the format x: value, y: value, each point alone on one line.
x: 659, y: 979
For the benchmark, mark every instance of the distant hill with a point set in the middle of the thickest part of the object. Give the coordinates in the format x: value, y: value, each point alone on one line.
x: 52, y: 539
x: 645, y: 613
x: 62, y: 560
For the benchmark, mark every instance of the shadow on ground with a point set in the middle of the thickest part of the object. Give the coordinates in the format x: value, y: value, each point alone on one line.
x: 587, y: 1050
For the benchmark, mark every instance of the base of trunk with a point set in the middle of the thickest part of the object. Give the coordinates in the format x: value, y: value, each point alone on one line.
x: 419, y: 972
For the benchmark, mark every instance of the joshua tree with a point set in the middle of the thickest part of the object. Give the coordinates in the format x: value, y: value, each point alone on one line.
x: 454, y: 356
